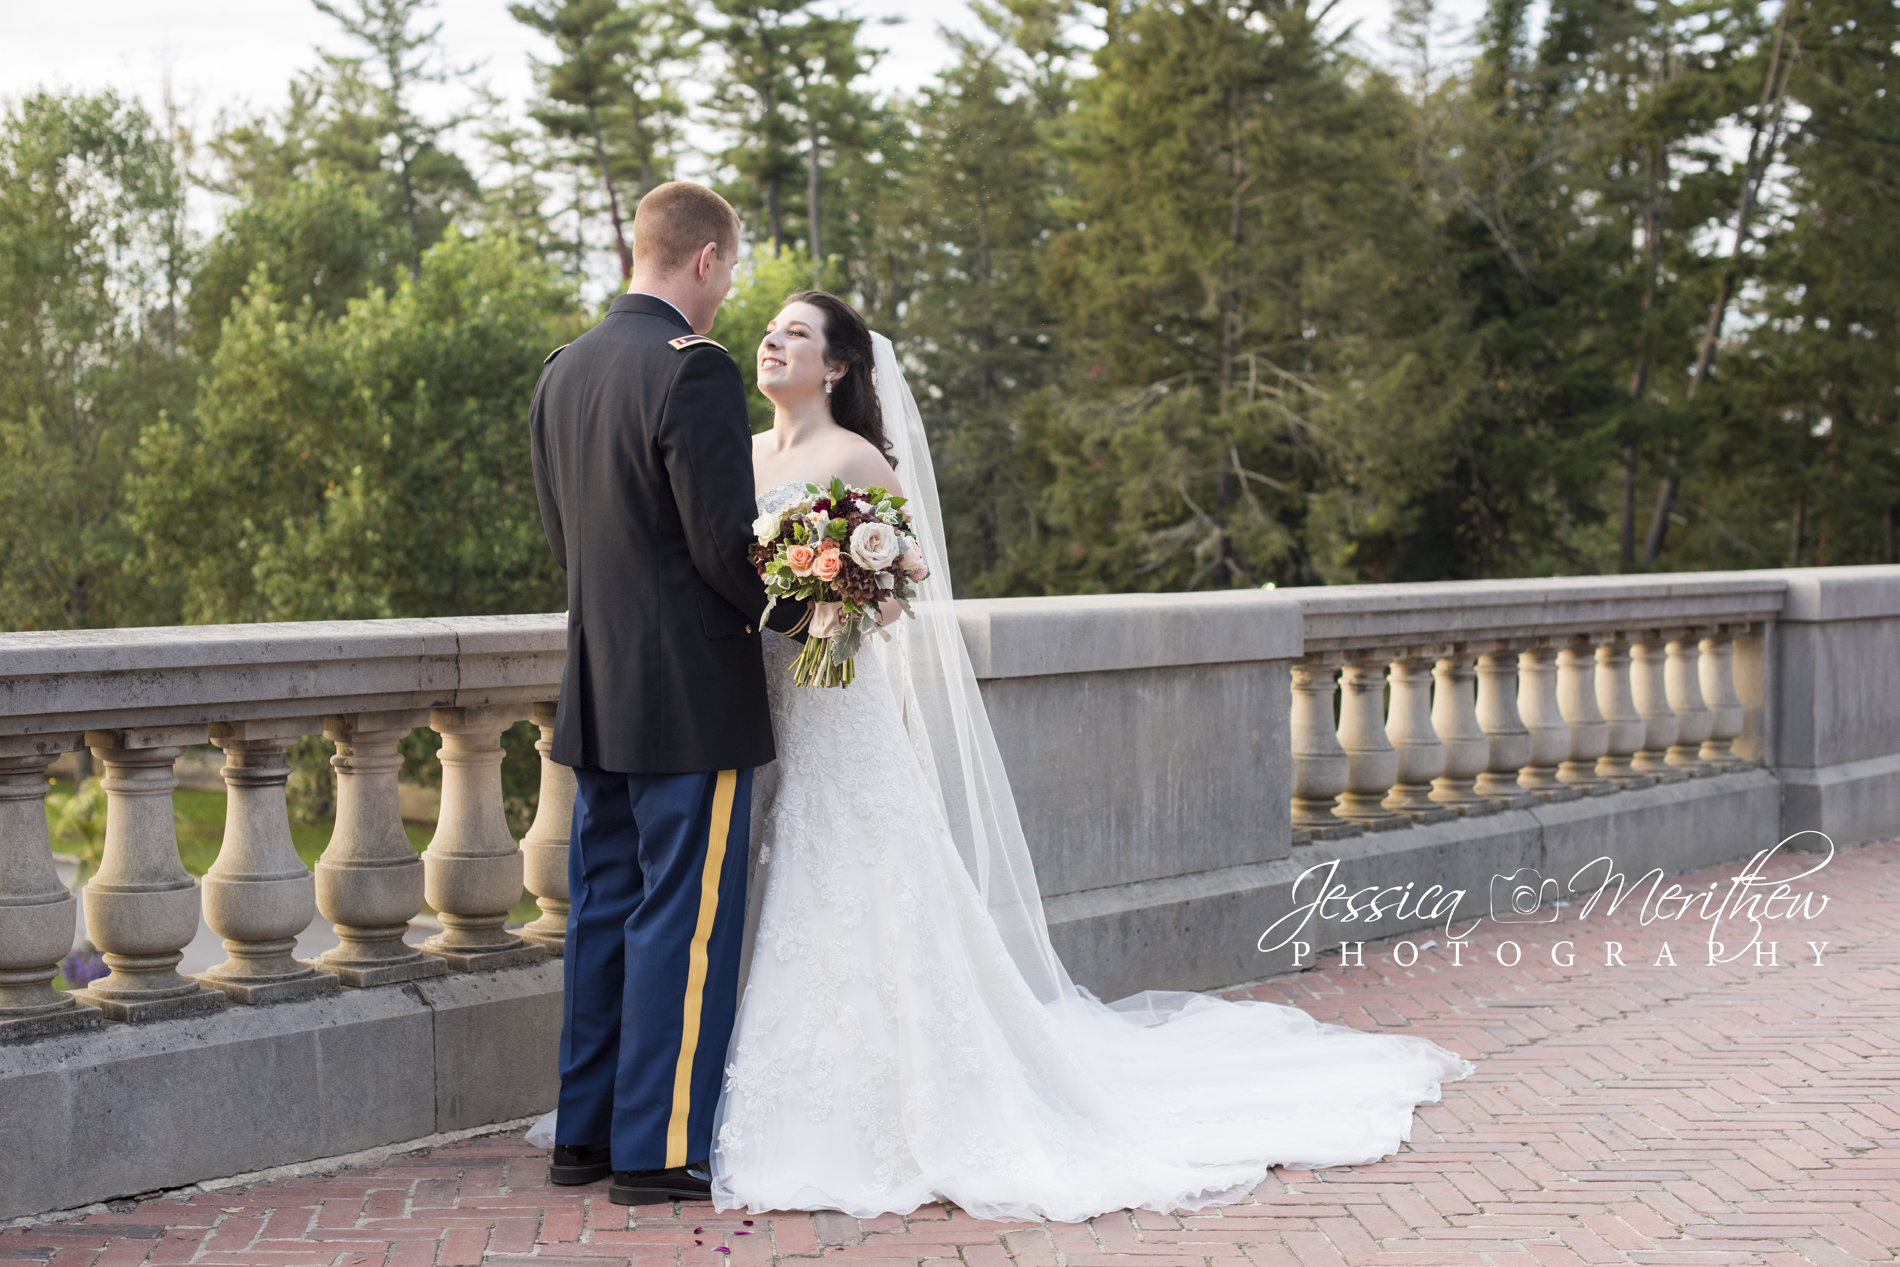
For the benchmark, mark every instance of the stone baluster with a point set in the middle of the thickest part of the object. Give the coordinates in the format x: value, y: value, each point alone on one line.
x: 1421, y: 756
x: 1371, y: 762
x: 1589, y: 731
x: 1508, y: 742
x: 37, y: 914
x: 1748, y: 674
x: 142, y: 906
x: 1543, y: 717
x: 1682, y: 682
x: 1717, y: 670
x: 472, y: 870
x: 1649, y: 690
x: 369, y: 879
x: 258, y: 895
x: 1467, y: 750
x: 544, y: 848
x: 1319, y: 763
x: 1626, y: 727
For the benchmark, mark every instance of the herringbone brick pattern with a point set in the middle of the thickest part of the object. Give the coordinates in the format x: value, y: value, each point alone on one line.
x: 1650, y: 1114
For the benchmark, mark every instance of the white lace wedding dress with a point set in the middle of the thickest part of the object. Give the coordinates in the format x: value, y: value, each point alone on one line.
x: 906, y: 1032
x: 889, y: 1050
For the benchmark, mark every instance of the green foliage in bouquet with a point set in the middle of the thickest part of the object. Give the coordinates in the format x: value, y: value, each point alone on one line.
x: 808, y: 551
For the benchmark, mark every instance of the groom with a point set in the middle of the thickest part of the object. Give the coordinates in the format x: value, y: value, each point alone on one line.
x: 643, y: 467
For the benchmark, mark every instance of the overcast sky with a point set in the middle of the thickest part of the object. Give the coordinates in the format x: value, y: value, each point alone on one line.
x: 229, y: 53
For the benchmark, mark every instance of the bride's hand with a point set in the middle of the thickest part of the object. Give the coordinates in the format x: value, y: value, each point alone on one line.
x: 888, y: 611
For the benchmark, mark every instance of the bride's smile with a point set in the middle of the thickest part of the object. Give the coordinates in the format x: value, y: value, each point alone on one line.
x: 815, y: 367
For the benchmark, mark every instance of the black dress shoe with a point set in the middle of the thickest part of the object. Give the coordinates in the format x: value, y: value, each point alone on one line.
x: 653, y: 1187
x: 580, y: 1163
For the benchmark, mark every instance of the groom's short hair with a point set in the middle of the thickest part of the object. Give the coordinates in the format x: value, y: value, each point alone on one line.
x: 676, y: 219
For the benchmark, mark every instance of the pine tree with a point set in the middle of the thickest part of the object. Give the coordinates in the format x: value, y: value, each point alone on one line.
x: 377, y: 89
x: 754, y: 98
x: 1809, y: 456
x: 1219, y: 272
x: 614, y: 93
x: 982, y: 332
x: 814, y: 156
x: 1772, y: 63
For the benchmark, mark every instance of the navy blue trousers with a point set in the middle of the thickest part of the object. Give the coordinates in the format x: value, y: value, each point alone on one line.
x: 656, y: 873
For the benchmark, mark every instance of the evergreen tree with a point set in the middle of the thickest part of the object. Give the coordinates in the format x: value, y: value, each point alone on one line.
x: 321, y: 241
x: 755, y: 99
x: 1807, y: 461
x: 982, y: 329
x: 1740, y: 187
x: 814, y: 156
x: 377, y: 124
x: 1233, y: 196
x: 614, y: 93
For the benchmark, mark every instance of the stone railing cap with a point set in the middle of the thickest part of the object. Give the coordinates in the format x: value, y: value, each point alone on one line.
x: 1840, y: 593
x: 1439, y: 612
x: 1028, y: 637
x: 74, y: 680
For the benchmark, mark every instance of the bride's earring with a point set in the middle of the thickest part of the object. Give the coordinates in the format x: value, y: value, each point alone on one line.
x: 827, y: 387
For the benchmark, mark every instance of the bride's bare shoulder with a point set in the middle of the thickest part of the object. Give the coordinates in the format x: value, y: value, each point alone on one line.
x: 861, y: 464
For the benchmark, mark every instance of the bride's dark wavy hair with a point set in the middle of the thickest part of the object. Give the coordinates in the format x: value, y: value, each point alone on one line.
x: 848, y: 342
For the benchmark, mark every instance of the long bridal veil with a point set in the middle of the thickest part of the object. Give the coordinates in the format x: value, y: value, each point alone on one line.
x: 930, y: 672
x: 1351, y: 1094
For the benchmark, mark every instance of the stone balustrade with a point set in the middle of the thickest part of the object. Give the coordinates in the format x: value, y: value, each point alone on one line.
x: 1472, y: 698
x: 139, y: 697
x: 1179, y: 762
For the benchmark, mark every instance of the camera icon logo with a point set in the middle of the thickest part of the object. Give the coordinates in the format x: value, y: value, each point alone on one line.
x: 1524, y: 896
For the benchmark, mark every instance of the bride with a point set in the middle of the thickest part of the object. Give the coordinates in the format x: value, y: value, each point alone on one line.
x: 906, y: 1033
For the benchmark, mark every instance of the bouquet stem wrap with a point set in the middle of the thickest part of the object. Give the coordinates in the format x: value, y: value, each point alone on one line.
x: 819, y: 665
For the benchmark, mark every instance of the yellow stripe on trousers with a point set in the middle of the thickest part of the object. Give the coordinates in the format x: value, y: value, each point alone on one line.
x: 696, y: 966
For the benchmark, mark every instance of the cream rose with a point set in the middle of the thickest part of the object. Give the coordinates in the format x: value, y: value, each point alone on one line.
x: 874, y: 546
x: 800, y: 557
x: 827, y: 619
x: 765, y: 527
x: 826, y: 566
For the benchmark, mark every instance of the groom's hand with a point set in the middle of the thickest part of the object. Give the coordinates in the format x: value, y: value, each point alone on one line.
x: 790, y: 614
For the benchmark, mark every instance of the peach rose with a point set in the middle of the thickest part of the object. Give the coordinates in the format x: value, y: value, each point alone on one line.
x: 825, y: 567
x: 801, y: 558
x: 912, y: 563
x: 827, y: 619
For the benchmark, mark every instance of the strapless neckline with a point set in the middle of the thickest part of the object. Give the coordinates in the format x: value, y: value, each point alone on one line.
x: 771, y: 498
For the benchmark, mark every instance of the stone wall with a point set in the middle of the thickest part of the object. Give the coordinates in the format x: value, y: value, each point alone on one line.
x: 1836, y: 702
x: 1145, y: 739
x: 1154, y: 747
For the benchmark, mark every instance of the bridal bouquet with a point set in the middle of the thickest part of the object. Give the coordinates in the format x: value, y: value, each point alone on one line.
x: 845, y: 550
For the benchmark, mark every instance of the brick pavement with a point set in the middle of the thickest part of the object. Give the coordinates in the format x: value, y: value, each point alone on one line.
x: 1646, y: 1114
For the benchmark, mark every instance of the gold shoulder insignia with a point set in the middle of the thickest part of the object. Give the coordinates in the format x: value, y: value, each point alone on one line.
x: 686, y: 341
x: 556, y: 352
